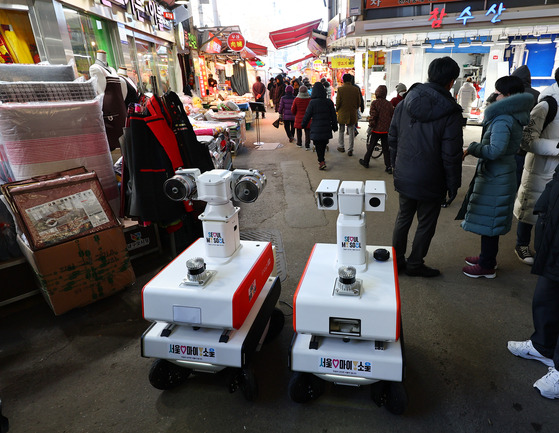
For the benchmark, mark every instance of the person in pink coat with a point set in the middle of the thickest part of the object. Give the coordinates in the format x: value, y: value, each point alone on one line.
x: 300, y: 104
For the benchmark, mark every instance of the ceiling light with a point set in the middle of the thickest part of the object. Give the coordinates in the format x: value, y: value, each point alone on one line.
x: 438, y: 45
x: 502, y: 40
x: 464, y: 44
x: 449, y: 43
x: 518, y: 41
x: 488, y: 42
x: 475, y: 42
x: 544, y: 39
x: 426, y: 44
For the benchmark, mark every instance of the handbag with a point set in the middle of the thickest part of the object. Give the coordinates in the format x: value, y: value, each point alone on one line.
x: 276, y: 123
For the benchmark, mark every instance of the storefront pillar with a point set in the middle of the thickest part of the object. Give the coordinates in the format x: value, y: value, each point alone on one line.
x: 43, y: 18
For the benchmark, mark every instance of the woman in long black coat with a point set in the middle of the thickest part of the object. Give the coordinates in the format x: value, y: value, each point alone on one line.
x: 324, y: 120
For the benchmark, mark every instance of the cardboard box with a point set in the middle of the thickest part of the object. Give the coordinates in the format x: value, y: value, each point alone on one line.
x: 81, y: 271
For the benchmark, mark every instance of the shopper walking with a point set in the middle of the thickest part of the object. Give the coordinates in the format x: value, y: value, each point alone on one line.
x: 401, y: 90
x: 322, y: 112
x: 488, y: 206
x: 286, y: 102
x: 466, y: 97
x: 425, y: 140
x: 348, y: 101
x: 279, y: 91
x: 543, y: 345
x: 271, y: 88
x: 380, y: 116
x: 541, y: 159
x: 298, y: 109
x: 259, y: 92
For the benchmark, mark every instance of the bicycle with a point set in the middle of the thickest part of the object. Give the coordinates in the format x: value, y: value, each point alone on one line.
x: 377, y: 149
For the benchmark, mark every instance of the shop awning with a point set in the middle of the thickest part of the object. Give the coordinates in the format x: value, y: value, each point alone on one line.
x: 310, y: 56
x: 259, y: 50
x: 292, y: 35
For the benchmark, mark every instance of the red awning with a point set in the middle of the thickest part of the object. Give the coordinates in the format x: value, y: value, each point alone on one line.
x: 259, y: 50
x: 310, y: 56
x: 292, y: 35
x: 247, y: 53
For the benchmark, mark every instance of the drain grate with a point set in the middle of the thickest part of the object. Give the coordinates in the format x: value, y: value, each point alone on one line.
x: 273, y: 236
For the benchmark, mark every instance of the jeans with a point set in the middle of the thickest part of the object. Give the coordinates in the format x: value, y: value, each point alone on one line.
x: 351, y: 135
x: 320, y: 147
x: 289, y: 126
x: 300, y: 137
x: 427, y: 216
x: 489, y: 250
x: 545, y: 314
x: 523, y: 234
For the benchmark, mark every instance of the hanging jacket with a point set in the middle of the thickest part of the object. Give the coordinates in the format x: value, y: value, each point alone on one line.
x: 541, y: 159
x: 490, y: 204
x: 425, y: 139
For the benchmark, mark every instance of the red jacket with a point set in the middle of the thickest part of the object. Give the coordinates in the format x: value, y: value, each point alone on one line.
x: 298, y: 109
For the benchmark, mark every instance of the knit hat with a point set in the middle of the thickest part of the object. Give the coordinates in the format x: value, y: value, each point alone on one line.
x: 289, y: 89
x: 303, y: 92
x: 303, y: 89
x: 400, y: 87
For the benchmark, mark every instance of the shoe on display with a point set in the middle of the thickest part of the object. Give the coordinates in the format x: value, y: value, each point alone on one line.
x: 524, y: 254
x: 341, y: 149
x: 525, y: 349
x: 422, y: 271
x: 363, y: 163
x: 474, y: 261
x: 350, y: 153
x: 322, y: 165
x: 548, y: 386
x: 476, y: 271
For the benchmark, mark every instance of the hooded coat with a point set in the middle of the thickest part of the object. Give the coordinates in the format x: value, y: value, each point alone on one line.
x: 323, y: 114
x: 381, y: 111
x: 541, y: 159
x: 490, y: 203
x: 279, y: 91
x: 299, y: 108
x: 286, y: 102
x: 425, y: 140
x: 523, y: 73
x: 466, y: 97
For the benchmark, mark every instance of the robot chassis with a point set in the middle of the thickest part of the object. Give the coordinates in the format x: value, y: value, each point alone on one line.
x: 216, y: 313
x: 346, y: 308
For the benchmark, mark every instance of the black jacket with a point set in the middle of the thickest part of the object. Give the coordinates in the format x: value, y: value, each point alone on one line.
x: 546, y: 242
x: 524, y: 74
x: 425, y: 139
x: 323, y: 114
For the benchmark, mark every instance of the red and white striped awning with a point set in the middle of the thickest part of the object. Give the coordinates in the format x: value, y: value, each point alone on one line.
x: 310, y: 56
x: 259, y: 50
x: 293, y: 35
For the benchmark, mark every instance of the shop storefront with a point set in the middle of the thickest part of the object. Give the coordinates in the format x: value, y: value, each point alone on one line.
x: 17, y: 42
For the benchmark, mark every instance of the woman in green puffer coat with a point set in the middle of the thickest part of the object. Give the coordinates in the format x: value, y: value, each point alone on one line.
x: 490, y: 200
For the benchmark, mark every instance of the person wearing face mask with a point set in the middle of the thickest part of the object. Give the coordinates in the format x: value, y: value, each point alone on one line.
x: 487, y: 208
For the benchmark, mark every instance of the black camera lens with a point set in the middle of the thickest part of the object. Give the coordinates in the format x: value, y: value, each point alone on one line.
x: 327, y: 201
x: 375, y: 202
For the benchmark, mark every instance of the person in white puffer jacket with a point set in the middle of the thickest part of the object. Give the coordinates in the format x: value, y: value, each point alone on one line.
x: 539, y: 166
x: 466, y: 97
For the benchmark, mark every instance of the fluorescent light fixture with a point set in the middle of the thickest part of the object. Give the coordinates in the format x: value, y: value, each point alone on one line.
x: 438, y: 46
x: 518, y: 41
x: 476, y: 42
x: 544, y: 39
x: 181, y: 2
x: 449, y: 43
x: 502, y: 40
x: 464, y: 44
x: 488, y: 42
x: 426, y: 44
x: 381, y: 46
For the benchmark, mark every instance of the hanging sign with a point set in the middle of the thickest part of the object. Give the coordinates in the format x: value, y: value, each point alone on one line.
x: 342, y: 62
x: 169, y: 15
x: 214, y: 46
x: 236, y: 41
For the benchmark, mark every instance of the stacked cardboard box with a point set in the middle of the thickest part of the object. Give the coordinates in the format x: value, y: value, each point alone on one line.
x: 71, y: 238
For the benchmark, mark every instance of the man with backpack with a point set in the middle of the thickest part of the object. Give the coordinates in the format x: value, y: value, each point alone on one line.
x: 540, y: 140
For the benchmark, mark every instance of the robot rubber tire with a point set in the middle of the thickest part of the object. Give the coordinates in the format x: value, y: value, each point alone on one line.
x: 391, y: 395
x: 244, y: 379
x: 166, y: 375
x: 304, y: 387
x: 277, y: 321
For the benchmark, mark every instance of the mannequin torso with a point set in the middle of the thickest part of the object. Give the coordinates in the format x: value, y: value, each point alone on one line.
x: 101, y: 70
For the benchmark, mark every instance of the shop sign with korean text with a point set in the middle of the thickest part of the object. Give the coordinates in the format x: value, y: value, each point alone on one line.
x: 236, y: 41
x: 375, y: 4
x: 143, y: 10
x: 214, y: 46
x: 342, y: 62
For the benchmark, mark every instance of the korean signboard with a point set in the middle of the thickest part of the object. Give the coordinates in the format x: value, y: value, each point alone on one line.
x: 437, y: 15
x: 213, y: 46
x: 236, y: 41
x: 143, y: 10
x: 375, y: 4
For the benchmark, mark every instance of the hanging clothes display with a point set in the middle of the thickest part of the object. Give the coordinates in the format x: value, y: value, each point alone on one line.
x: 114, y: 111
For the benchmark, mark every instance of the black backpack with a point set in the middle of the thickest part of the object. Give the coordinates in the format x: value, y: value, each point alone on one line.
x: 551, y: 112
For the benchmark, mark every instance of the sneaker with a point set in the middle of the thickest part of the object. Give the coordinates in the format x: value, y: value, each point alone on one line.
x: 350, y: 153
x: 524, y: 254
x: 476, y: 271
x: 341, y: 149
x: 299, y: 145
x: 307, y: 148
x: 472, y: 261
x: 422, y: 271
x: 548, y: 386
x: 388, y: 170
x: 363, y: 163
x: 322, y: 165
x: 525, y: 349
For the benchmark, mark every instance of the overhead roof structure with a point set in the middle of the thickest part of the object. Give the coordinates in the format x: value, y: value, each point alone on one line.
x: 293, y: 35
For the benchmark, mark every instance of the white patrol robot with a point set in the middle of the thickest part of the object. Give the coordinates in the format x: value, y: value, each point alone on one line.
x: 214, y: 304
x: 347, y: 306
